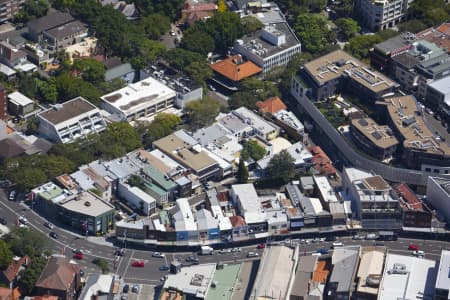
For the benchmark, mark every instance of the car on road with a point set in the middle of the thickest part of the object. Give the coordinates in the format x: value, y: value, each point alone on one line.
x: 12, y: 196
x: 138, y: 264
x: 120, y: 252
x: 126, y: 288
x: 336, y: 244
x: 23, y: 220
x: 164, y: 268
x: 379, y: 244
x: 78, y: 255
x: 303, y: 241
x: 124, y: 297
x: 413, y: 247
x: 81, y: 273
x: 49, y: 225
x: 3, y: 221
x: 53, y: 235
x: 330, y: 239
x: 135, y: 288
x: 158, y: 254
x: 261, y: 246
x: 418, y: 253
x: 172, y: 33
x: 429, y: 111
x: 236, y: 249
x: 192, y: 258
x: 225, y: 251
x: 358, y: 237
x: 252, y: 254
x: 322, y: 251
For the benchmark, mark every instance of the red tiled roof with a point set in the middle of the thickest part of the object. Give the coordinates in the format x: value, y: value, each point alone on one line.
x: 444, y: 28
x: 189, y: 7
x: 410, y: 198
x: 14, y: 268
x: 237, y: 221
x: 321, y: 161
x: 323, y: 268
x: 235, y: 69
x: 5, y: 294
x: 223, y: 196
x: 439, y: 36
x: 58, y: 274
x: 192, y: 17
x: 271, y: 105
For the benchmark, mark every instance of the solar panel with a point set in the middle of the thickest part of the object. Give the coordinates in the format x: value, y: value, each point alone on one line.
x: 376, y: 135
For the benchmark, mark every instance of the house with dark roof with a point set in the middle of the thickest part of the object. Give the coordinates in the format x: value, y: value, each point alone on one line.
x: 58, y: 38
x: 66, y: 122
x: 194, y: 11
x: 37, y: 26
x: 59, y: 278
x: 115, y: 69
x: 231, y: 71
x: 11, y: 273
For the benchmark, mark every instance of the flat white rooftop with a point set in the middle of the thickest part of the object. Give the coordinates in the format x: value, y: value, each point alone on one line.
x: 443, y: 276
x: 20, y: 99
x: 413, y: 278
x: 138, y: 96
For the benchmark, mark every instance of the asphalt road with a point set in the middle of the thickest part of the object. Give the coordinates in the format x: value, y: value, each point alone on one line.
x: 150, y: 274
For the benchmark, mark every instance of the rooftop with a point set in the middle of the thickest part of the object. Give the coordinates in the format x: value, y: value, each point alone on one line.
x: 159, y: 178
x: 443, y: 273
x: 225, y: 280
x: 49, y: 21
x: 408, y: 197
x: 269, y: 41
x: 306, y: 266
x: 87, y: 204
x: 408, y: 277
x: 184, y: 218
x: 205, y: 220
x: 321, y: 161
x: 298, y: 151
x: 19, y: 99
x: 442, y: 86
x: 370, y: 270
x: 249, y: 202
x: 233, y: 123
x: 288, y: 118
x: 271, y: 105
x: 323, y: 269
x: 344, y: 260
x: 67, y: 110
x: 440, y: 36
x: 275, y: 271
x: 139, y: 95
x: 396, y: 44
x: 193, y: 280
x: 338, y: 64
x: 67, y: 30
x: 210, y: 134
x: 254, y: 120
x: 50, y: 192
x: 235, y: 69
x: 403, y: 112
x: 382, y: 136
x: 325, y: 189
x: 58, y: 274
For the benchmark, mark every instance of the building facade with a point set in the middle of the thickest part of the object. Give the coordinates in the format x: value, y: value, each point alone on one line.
x: 381, y: 14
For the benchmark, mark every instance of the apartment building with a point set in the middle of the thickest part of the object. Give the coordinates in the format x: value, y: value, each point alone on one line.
x: 381, y: 14
x: 9, y: 9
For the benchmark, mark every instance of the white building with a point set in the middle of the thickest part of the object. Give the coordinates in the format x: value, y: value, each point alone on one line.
x: 288, y: 119
x: 442, y: 288
x: 271, y: 47
x: 137, y: 198
x: 438, y: 94
x: 247, y: 201
x: 302, y: 157
x: 184, y: 218
x: 64, y: 123
x: 407, y: 277
x: 381, y: 14
x: 140, y: 100
x: 261, y: 127
x: 438, y: 195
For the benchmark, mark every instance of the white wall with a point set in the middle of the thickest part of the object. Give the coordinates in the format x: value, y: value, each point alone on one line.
x: 135, y: 196
x: 438, y: 198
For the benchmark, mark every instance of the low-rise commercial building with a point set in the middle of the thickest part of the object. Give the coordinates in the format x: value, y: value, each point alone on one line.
x: 345, y: 263
x: 339, y: 72
x: 137, y: 197
x: 184, y: 222
x: 370, y: 272
x: 321, y: 162
x: 139, y: 101
x: 438, y: 96
x: 421, y: 149
x: 261, y: 128
x: 304, y: 286
x: 407, y: 277
x: 248, y: 205
x: 438, y: 196
x: 415, y: 212
x: 66, y: 122
x: 442, y: 287
x: 375, y: 140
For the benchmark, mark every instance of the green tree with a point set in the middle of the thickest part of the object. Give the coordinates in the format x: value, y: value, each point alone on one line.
x: 27, y: 178
x: 242, y: 173
x: 281, y: 167
x: 57, y: 165
x: 202, y: 113
x: 69, y: 87
x: 91, y: 69
x: 251, y: 24
x: 154, y: 25
x: 137, y: 181
x: 344, y: 9
x: 253, y: 149
x: 6, y: 255
x: 359, y: 46
x: 412, y: 26
x: 27, y: 85
x: 198, y: 41
x: 32, y: 125
x: 221, y: 6
x: 180, y: 58
x: 30, y: 275
x: 199, y: 71
x: 26, y: 241
x: 32, y: 9
x: 163, y: 125
x: 103, y: 265
x: 347, y: 27
x: 48, y: 91
x: 252, y: 91
x: 170, y: 9
x: 313, y: 31
x: 431, y: 12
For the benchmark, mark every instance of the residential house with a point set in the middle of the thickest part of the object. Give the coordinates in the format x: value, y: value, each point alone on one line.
x: 10, y: 275
x: 19, y: 104
x: 60, y: 37
x: 115, y: 69
x: 194, y: 11
x: 321, y: 162
x: 15, y: 58
x: 37, y: 27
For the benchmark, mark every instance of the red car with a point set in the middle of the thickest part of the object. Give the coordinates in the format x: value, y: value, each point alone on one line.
x: 137, y: 264
x: 261, y: 246
x: 413, y: 247
x: 78, y: 255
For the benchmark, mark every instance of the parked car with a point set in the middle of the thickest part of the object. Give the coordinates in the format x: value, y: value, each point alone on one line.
x: 236, y: 249
x: 124, y: 297
x: 49, y: 225
x: 336, y: 244
x: 322, y: 251
x: 413, y: 247
x: 23, y: 220
x: 135, y: 288
x: 3, y: 221
x: 418, y: 253
x: 78, y: 255
x: 164, y: 268
x: 53, y: 235
x: 12, y: 196
x: 261, y: 246
x: 224, y: 251
x: 126, y: 288
x: 192, y: 258
x: 137, y: 264
x: 252, y: 254
x: 330, y: 239
x: 158, y: 254
x: 358, y: 237
x: 120, y: 252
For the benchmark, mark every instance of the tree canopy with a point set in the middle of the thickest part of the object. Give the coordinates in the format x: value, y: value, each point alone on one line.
x: 242, y: 172
x: 430, y: 12
x: 26, y: 241
x: 252, y: 91
x: 313, y: 31
x: 90, y: 69
x: 347, y: 27
x: 360, y: 45
x: 252, y: 149
x: 6, y: 256
x: 202, y: 113
x: 32, y: 9
x: 281, y: 167
x: 154, y: 25
x: 162, y: 125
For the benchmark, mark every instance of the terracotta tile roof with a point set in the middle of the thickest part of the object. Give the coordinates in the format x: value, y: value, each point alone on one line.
x: 322, y: 271
x: 237, y: 221
x: 14, y: 268
x: 321, y: 161
x: 58, y: 274
x: 444, y: 28
x: 271, y: 105
x: 440, y: 36
x: 5, y: 294
x: 411, y: 202
x: 194, y: 16
x: 223, y: 196
x: 235, y: 69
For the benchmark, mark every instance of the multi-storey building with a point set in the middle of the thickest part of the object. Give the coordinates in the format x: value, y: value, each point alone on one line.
x: 438, y: 96
x: 9, y: 9
x: 381, y: 14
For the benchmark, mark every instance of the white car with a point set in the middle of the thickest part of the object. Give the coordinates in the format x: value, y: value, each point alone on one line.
x: 23, y: 220
x: 236, y: 250
x: 252, y: 254
x: 158, y: 254
x: 337, y: 244
x: 49, y: 225
x: 224, y: 251
x: 418, y: 253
